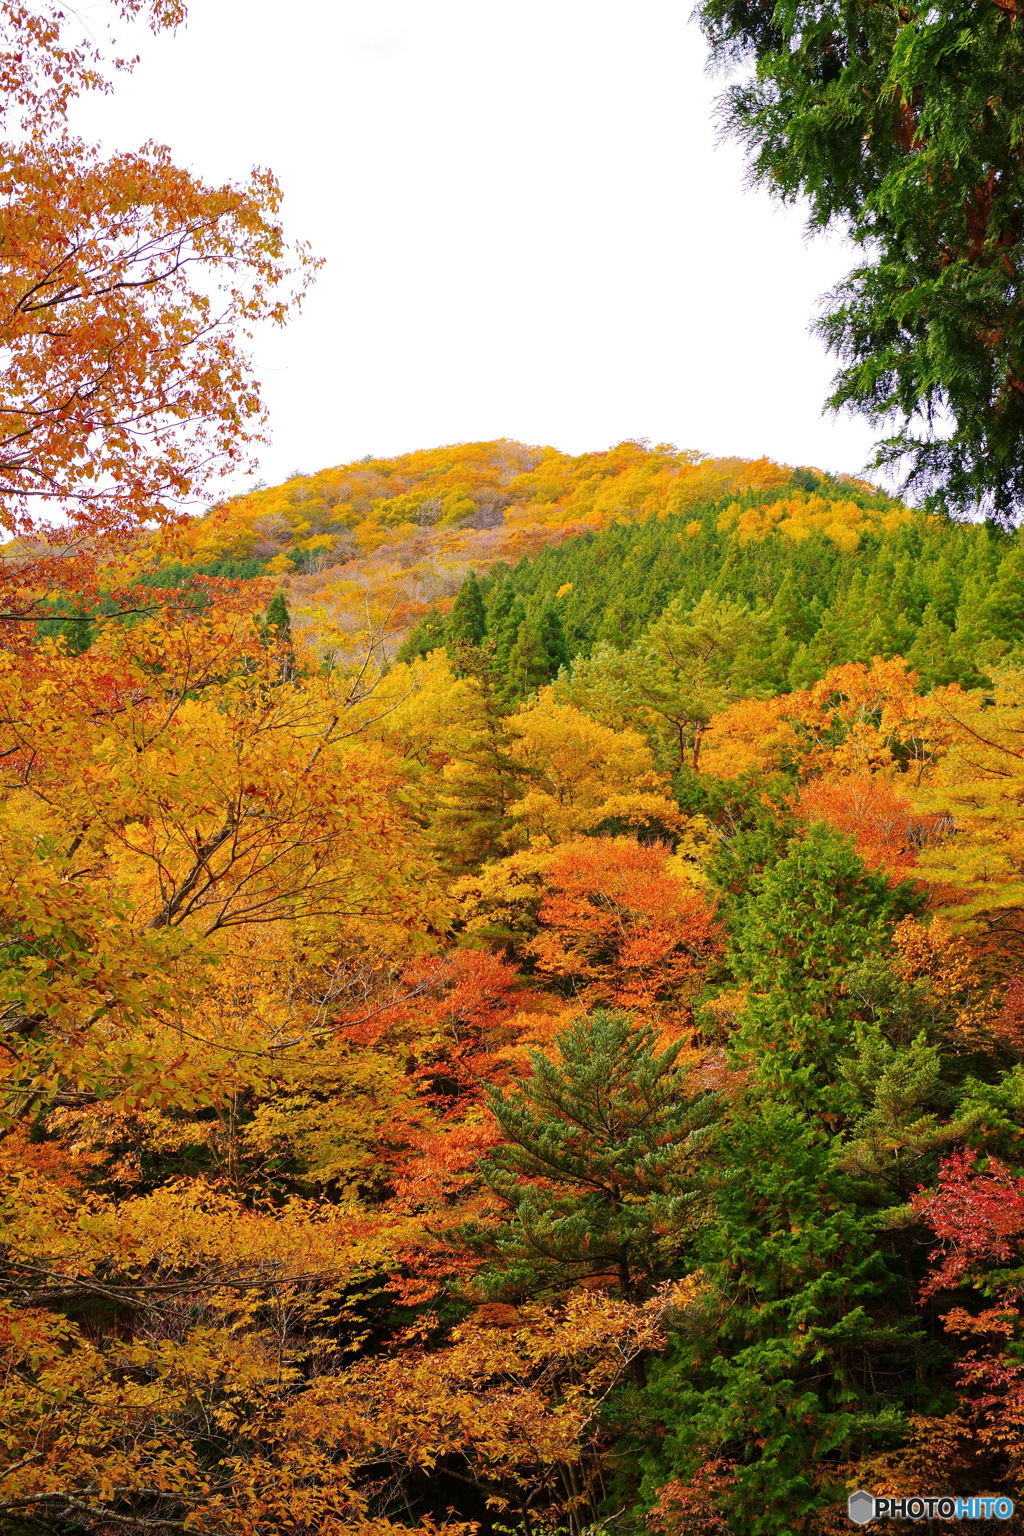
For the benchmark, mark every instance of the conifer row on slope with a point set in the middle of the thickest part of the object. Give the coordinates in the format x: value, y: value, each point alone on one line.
x: 836, y: 573
x: 598, y: 544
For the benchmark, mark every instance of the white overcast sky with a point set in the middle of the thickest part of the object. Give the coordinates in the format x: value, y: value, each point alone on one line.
x: 530, y: 230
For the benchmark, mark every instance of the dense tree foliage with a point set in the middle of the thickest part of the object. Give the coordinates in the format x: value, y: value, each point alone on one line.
x: 566, y: 1077
x: 371, y: 546
x: 901, y: 126
x: 425, y: 1108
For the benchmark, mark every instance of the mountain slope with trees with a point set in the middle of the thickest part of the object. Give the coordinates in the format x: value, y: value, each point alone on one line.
x: 568, y: 1072
x: 831, y: 574
x: 373, y: 546
x: 569, y: 1076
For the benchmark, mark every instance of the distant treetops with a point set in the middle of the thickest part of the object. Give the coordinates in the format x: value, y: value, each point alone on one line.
x: 355, y: 508
x: 371, y: 547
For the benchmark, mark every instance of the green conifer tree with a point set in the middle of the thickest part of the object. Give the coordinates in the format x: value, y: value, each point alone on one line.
x: 467, y: 622
x: 1003, y: 605
x: 528, y: 664
x: 601, y: 1161
x: 552, y: 637
x: 539, y: 653
x: 900, y: 127
x: 936, y: 657
x: 505, y: 618
x: 693, y: 661
x: 786, y: 1372
x: 77, y: 634
x: 428, y: 635
x: 791, y: 611
x: 943, y: 589
x: 501, y: 599
x: 277, y: 624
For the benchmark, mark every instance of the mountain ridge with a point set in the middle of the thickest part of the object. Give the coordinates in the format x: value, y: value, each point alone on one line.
x: 382, y: 542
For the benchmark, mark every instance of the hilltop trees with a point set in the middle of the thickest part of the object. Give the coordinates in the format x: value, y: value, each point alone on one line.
x: 778, y: 588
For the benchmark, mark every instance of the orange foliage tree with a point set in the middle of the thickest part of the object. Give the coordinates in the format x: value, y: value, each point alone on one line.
x: 127, y: 288
x: 856, y: 719
x: 888, y: 831
x: 163, y: 791
x: 622, y: 927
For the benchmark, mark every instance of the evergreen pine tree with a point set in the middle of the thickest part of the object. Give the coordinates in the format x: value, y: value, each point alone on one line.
x: 1003, y: 604
x: 803, y: 671
x: 935, y: 656
x: 539, y: 652
x: 806, y: 1322
x: 552, y: 637
x: 834, y: 642
x: 805, y: 919
x: 428, y: 635
x: 505, y: 618
x: 695, y: 661
x: 78, y: 635
x: 943, y: 590
x: 900, y: 128
x: 601, y: 1160
x: 277, y: 624
x: 790, y: 610
x: 528, y: 665
x: 467, y: 622
x: 500, y: 601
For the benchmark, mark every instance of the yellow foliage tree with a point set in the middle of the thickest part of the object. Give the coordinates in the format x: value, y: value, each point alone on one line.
x: 582, y: 775
x: 856, y: 719
x: 979, y: 788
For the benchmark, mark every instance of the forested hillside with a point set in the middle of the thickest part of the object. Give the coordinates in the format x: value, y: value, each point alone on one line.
x: 593, y: 547
x: 372, y: 546
x: 570, y: 1074
x: 512, y: 964
x: 834, y: 573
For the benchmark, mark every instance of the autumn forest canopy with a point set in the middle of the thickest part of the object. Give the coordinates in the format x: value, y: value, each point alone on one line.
x: 512, y: 963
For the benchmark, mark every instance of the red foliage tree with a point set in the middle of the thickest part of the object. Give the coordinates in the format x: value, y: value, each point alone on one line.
x: 887, y: 831
x: 978, y: 1216
x: 619, y: 925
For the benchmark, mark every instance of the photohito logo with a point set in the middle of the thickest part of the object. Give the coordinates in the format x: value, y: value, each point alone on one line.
x: 862, y: 1507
